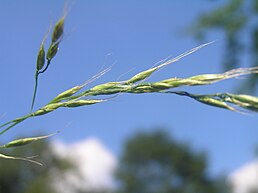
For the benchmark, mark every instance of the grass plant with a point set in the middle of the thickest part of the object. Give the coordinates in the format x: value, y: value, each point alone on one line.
x: 78, y: 96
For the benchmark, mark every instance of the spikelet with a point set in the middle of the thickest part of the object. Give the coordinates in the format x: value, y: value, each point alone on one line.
x: 52, y: 51
x: 66, y: 94
x: 252, y: 100
x: 46, y: 109
x: 244, y: 101
x: 41, y: 58
x: 141, y: 76
x: 58, y: 31
x: 213, y: 102
x: 79, y: 103
x: 28, y: 159
x: 41, y: 53
x: 25, y: 141
x: 57, y: 36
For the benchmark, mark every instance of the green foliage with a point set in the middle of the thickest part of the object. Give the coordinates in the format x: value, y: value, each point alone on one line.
x: 236, y: 20
x: 155, y: 163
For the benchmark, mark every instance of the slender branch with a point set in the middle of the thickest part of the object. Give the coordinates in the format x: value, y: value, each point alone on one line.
x: 42, y: 71
x: 35, y: 90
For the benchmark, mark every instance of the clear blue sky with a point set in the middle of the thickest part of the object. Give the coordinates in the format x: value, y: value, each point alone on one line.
x: 133, y: 36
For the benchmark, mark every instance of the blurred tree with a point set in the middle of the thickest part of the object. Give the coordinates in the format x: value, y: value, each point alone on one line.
x: 22, y: 177
x: 254, y: 191
x: 155, y: 163
x: 237, y: 19
x: 256, y: 151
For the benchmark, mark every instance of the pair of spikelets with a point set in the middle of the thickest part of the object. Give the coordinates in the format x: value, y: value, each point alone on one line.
x: 43, y: 59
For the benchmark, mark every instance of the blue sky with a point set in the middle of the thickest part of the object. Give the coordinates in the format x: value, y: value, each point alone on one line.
x: 131, y: 36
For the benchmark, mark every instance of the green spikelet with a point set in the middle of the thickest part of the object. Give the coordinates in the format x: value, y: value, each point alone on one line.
x: 58, y: 31
x: 41, y: 58
x: 25, y: 141
x: 52, y: 51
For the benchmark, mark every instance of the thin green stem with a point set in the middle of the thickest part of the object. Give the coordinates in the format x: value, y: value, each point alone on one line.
x: 9, y: 122
x: 15, y: 122
x: 3, y: 131
x: 48, y: 62
x: 36, y: 84
x: 35, y: 90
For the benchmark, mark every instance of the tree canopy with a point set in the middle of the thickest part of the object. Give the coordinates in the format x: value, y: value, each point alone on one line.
x: 155, y: 163
x: 237, y: 20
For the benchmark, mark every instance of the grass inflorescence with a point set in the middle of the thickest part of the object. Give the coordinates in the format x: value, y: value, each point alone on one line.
x: 43, y: 59
x: 75, y: 97
x: 78, y: 96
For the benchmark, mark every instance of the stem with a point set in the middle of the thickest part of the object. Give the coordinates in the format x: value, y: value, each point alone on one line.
x: 9, y: 127
x: 48, y: 62
x: 35, y: 90
x: 15, y: 122
x: 7, y: 123
x: 182, y: 93
x: 36, y: 84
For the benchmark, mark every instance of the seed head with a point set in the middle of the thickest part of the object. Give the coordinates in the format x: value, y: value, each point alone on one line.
x: 25, y: 141
x: 79, y: 103
x: 41, y: 58
x: 66, y: 94
x: 105, y: 86
x: 252, y: 100
x: 141, y: 76
x: 46, y: 109
x: 213, y: 102
x: 58, y: 31
x: 208, y: 77
x: 244, y: 101
x: 52, y: 51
